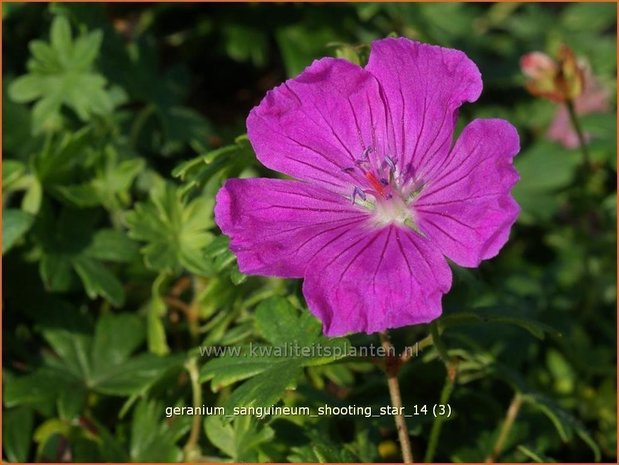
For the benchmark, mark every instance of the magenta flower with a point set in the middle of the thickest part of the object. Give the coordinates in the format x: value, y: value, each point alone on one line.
x: 380, y: 194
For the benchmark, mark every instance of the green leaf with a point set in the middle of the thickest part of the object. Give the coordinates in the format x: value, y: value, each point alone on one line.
x: 31, y: 203
x: 98, y: 280
x: 71, y: 400
x: 17, y: 433
x: 589, y: 17
x: 279, y: 323
x: 61, y: 75
x: 219, y: 253
x: 240, y: 439
x: 182, y: 127
x: 61, y: 155
x: 109, y: 187
x: 112, y: 245
x: 266, y: 388
x: 217, y: 165
x: 245, y: 43
x: 72, y: 346
x: 71, y: 249
x: 175, y: 231
x: 15, y: 223
x: 502, y: 316
x: 56, y: 272
x: 544, y: 169
x: 299, y: 46
x: 82, y: 363
x: 224, y: 371
x: 116, y: 337
x: 39, y: 389
x: 322, y: 449
x: 12, y: 171
x: 222, y: 259
x: 271, y: 369
x: 80, y: 196
x: 564, y: 422
x: 60, y: 36
x: 25, y: 89
x: 136, y: 375
x: 153, y: 440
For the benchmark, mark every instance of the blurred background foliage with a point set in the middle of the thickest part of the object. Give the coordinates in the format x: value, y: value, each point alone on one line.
x: 121, y: 121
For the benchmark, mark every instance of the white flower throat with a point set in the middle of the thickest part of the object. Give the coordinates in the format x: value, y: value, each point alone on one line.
x: 386, y: 191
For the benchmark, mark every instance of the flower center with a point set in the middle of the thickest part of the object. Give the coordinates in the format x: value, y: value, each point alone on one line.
x: 392, y: 211
x: 385, y: 191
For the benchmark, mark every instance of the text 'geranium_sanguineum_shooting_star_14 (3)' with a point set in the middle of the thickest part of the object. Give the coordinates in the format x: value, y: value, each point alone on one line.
x: 380, y: 194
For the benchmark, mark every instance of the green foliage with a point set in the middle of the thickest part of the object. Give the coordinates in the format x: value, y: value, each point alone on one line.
x: 273, y: 368
x: 240, y: 440
x: 60, y: 73
x: 498, y: 315
x: 175, y: 231
x: 17, y: 438
x: 121, y: 123
x: 71, y: 244
x: 15, y: 223
x: 81, y: 362
x: 152, y: 439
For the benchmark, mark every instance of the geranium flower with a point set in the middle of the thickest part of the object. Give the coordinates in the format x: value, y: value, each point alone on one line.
x: 380, y: 195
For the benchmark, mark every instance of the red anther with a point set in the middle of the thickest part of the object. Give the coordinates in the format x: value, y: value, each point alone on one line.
x: 376, y: 184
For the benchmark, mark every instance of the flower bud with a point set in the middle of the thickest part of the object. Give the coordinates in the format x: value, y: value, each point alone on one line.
x: 560, y: 81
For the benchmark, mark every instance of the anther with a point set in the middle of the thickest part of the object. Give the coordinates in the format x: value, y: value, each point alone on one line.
x: 358, y: 192
x: 390, y: 163
x: 365, y: 153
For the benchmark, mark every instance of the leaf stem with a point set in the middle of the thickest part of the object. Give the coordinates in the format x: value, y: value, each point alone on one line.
x: 438, y: 343
x: 139, y: 124
x: 438, y: 421
x: 512, y: 412
x: 392, y: 369
x: 190, y: 451
x: 579, y: 132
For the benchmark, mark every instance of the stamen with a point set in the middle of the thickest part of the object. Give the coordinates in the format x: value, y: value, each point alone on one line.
x: 391, y: 191
x: 358, y: 192
x: 364, y: 154
x: 390, y: 163
x: 416, y: 188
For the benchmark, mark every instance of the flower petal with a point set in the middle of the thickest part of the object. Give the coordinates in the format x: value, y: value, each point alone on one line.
x: 423, y: 87
x: 372, y: 280
x: 276, y: 226
x: 468, y: 210
x: 315, y: 126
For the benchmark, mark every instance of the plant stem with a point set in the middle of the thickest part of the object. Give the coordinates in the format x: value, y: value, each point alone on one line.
x: 438, y: 421
x: 392, y: 368
x: 190, y: 451
x: 139, y: 123
x: 512, y: 412
x: 579, y: 132
x: 438, y: 343
x: 415, y: 348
